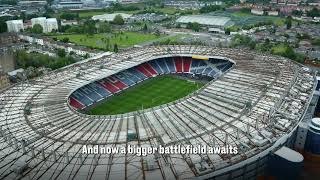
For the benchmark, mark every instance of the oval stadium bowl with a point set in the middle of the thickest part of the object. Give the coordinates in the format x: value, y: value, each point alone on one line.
x: 250, y: 102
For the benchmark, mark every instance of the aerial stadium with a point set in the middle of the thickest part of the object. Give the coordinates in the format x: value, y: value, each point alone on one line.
x: 244, y: 99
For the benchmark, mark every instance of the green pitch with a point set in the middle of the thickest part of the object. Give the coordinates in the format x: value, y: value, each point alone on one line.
x: 100, y: 40
x: 153, y: 92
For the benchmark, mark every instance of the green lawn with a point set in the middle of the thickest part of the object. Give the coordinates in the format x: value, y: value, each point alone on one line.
x: 165, y: 10
x: 279, y: 49
x: 123, y: 40
x: 241, y: 14
x: 153, y: 92
x: 168, y: 10
x: 89, y: 14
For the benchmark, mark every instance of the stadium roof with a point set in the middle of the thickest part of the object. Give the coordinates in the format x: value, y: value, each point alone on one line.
x: 255, y: 106
x: 207, y: 20
x: 110, y: 17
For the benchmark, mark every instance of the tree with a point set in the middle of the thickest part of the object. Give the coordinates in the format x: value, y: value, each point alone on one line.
x: 90, y: 27
x: 227, y: 31
x: 288, y: 22
x: 243, y: 40
x: 9, y: 2
x: 115, y: 48
x: 284, y: 50
x: 25, y: 60
x: 297, y: 13
x: 118, y: 19
x: 245, y: 10
x: 210, y: 8
x: 145, y: 28
x: 61, y: 53
x: 316, y: 42
x: 69, y: 16
x: 37, y: 29
x: 314, y: 12
x: 194, y: 26
x: 3, y: 26
x: 65, y: 40
x: 104, y: 27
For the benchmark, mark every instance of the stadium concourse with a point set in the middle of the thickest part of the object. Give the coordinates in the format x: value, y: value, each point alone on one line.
x: 255, y: 105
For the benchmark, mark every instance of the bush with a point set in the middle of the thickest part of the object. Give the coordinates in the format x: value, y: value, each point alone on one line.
x: 211, y: 8
x: 37, y: 29
x: 194, y: 26
x: 118, y: 19
x: 25, y: 60
x: 69, y: 16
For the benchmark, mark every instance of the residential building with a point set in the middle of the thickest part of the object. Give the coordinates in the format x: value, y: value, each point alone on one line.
x: 15, y: 25
x: 47, y: 24
x: 39, y: 20
x: 51, y: 24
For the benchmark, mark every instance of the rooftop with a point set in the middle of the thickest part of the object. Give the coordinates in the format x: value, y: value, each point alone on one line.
x: 206, y: 20
x: 110, y: 17
x: 254, y: 107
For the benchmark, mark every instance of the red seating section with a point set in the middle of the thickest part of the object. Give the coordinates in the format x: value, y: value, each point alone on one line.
x: 178, y: 63
x: 120, y: 85
x: 187, y: 64
x: 144, y: 71
x: 149, y: 68
x: 108, y: 86
x: 75, y: 103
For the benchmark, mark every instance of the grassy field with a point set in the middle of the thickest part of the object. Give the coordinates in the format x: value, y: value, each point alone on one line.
x: 89, y: 14
x: 241, y: 14
x: 123, y: 40
x: 153, y: 92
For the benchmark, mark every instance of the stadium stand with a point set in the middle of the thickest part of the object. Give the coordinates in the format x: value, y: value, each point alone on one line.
x: 126, y: 78
x: 75, y: 103
x: 186, y: 65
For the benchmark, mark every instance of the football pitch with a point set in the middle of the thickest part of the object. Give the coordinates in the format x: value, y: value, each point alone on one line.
x: 151, y: 93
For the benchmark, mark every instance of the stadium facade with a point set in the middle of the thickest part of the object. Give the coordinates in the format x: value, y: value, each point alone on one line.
x: 255, y: 104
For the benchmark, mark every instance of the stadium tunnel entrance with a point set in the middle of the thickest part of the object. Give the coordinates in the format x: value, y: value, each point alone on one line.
x: 196, y: 69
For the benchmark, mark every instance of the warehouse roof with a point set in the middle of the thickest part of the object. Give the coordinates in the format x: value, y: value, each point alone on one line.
x: 110, y: 17
x: 206, y: 20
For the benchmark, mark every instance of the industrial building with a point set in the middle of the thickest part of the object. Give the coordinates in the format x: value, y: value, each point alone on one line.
x: 110, y: 17
x: 206, y: 20
x: 69, y: 5
x: 48, y: 25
